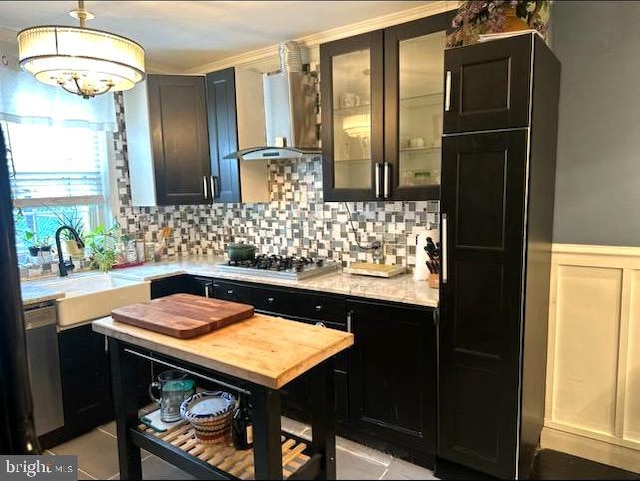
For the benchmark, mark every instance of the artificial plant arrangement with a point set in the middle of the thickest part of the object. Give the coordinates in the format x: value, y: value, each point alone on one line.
x: 476, y: 18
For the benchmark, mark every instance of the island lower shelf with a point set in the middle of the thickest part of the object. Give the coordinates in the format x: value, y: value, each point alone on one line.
x: 180, y: 446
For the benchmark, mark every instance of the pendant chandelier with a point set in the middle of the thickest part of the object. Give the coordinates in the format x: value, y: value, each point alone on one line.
x: 81, y: 60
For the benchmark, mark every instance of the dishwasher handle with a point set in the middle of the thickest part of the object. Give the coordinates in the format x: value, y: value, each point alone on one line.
x: 40, y: 317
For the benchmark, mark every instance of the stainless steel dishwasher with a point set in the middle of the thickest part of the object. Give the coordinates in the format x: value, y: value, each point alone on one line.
x: 44, y: 366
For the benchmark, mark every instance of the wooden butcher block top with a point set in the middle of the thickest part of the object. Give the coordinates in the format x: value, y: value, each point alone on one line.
x: 183, y: 315
x: 266, y: 350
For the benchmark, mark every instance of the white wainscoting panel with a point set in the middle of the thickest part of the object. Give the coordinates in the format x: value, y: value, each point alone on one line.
x: 593, y: 362
x: 631, y: 430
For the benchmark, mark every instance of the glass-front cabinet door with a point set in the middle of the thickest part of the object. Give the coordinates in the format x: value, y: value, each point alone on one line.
x: 414, y: 70
x: 351, y: 82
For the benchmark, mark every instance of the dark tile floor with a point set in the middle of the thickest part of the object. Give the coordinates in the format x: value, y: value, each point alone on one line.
x: 97, y: 458
x: 555, y: 465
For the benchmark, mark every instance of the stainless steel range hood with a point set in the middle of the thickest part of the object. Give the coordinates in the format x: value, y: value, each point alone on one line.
x: 290, y: 103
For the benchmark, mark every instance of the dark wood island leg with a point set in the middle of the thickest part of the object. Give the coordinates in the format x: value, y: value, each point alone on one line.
x: 123, y: 379
x: 267, y: 449
x: 323, y: 418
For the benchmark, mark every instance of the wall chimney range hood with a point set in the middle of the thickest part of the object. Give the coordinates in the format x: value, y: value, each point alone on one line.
x: 290, y: 102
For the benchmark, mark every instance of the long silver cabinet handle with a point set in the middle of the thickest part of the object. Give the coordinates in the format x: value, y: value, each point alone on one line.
x: 443, y: 234
x: 204, y: 185
x: 349, y: 316
x: 212, y: 181
x: 207, y: 292
x: 386, y: 180
x: 377, y: 180
x: 447, y: 92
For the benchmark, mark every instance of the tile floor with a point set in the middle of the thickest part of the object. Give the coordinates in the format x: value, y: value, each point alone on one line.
x: 97, y: 458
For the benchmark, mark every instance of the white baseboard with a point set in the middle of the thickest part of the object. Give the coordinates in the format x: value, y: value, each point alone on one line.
x: 589, y: 448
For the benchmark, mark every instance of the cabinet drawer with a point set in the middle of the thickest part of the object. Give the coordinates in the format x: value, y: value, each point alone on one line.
x: 300, y: 305
x: 276, y: 301
x: 324, y: 308
x: 230, y: 291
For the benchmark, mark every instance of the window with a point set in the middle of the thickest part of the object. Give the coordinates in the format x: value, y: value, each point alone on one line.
x: 58, y: 173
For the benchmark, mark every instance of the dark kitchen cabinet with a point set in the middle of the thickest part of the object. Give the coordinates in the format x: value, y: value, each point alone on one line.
x: 168, y: 142
x: 489, y: 89
x: 230, y: 291
x: 223, y: 136
x: 392, y: 374
x: 235, y: 110
x: 86, y: 380
x: 413, y: 96
x: 382, y: 96
x: 86, y: 384
x: 174, y: 285
x: 497, y: 216
x: 352, y: 96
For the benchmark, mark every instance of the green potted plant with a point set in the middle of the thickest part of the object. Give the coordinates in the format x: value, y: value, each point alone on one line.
x: 36, y: 245
x: 74, y: 220
x: 101, y: 241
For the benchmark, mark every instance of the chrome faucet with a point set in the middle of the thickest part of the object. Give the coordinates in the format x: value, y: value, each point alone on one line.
x: 64, y: 266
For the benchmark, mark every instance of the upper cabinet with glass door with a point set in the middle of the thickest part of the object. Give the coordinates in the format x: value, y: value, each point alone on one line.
x: 352, y: 105
x: 385, y: 125
x: 414, y: 96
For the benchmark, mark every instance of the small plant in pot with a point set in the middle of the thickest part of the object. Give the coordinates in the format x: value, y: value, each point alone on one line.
x: 72, y: 219
x: 101, y: 241
x: 36, y: 245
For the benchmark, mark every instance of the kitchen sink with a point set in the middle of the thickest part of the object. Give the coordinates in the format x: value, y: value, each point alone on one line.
x: 93, y: 296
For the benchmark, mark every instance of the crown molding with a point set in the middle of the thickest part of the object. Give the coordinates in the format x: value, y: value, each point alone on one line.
x: 313, y: 40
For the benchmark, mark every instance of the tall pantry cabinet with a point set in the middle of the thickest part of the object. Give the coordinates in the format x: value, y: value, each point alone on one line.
x: 498, y: 176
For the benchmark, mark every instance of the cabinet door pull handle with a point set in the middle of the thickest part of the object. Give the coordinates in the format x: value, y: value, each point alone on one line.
x: 386, y: 180
x: 270, y: 300
x: 214, y: 191
x: 444, y: 249
x: 207, y: 292
x: 447, y: 92
x: 319, y: 307
x: 349, y: 317
x: 377, y: 180
x: 230, y: 291
x: 204, y: 184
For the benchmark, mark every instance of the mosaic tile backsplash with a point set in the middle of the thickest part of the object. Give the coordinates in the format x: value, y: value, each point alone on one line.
x: 295, y: 222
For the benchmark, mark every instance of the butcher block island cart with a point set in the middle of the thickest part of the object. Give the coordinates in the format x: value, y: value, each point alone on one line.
x: 257, y: 357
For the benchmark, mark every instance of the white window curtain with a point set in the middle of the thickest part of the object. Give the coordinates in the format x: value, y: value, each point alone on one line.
x: 25, y: 100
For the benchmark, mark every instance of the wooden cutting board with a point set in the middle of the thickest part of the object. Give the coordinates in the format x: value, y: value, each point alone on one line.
x: 183, y: 315
x: 376, y: 270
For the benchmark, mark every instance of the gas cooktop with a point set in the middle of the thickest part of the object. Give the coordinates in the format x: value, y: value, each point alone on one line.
x: 281, y: 267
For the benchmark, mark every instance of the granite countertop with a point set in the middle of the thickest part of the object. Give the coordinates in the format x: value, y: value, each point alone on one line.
x: 33, y: 293
x: 401, y: 288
